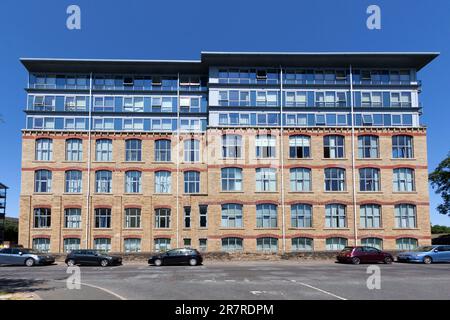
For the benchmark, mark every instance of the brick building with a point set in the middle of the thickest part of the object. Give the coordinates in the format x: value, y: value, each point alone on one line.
x: 273, y: 152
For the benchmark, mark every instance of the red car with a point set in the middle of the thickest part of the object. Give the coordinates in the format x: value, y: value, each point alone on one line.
x: 363, y: 254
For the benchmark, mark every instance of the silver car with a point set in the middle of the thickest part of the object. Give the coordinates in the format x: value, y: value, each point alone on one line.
x: 28, y: 257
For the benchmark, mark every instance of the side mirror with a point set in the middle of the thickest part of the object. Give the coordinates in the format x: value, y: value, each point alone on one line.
x: 20, y: 253
x: 436, y: 250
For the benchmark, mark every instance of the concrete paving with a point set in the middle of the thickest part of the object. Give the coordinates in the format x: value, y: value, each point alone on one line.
x: 233, y: 280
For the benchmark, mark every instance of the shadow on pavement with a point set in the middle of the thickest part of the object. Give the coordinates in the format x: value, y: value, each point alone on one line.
x: 21, y: 285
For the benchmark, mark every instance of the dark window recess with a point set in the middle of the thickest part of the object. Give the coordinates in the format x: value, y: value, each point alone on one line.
x: 187, y: 217
x: 156, y: 81
x: 203, y: 210
x: 261, y: 74
x: 128, y: 81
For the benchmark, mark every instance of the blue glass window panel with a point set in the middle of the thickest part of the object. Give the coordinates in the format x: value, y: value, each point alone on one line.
x: 407, y: 120
x: 302, y: 119
x: 367, y: 119
x: 273, y: 118
x: 234, y: 118
x: 223, y: 119
x: 311, y: 120
x: 320, y: 119
x: 387, y: 119
x: 331, y: 119
x: 396, y: 119
x: 342, y: 119
x: 262, y: 119
x: 378, y: 119
x: 358, y: 120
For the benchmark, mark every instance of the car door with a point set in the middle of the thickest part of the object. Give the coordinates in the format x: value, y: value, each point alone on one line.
x: 5, y: 256
x: 172, y: 257
x: 373, y: 255
x: 361, y: 254
x: 17, y: 257
x: 442, y: 254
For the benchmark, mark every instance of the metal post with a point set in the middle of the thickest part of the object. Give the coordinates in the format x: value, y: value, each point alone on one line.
x: 282, y: 162
x: 178, y: 162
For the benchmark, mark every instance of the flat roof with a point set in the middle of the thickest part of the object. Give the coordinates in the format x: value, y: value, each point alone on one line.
x: 415, y: 60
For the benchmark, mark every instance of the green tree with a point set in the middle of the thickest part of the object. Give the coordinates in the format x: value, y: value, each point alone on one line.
x: 440, y: 180
x: 437, y: 229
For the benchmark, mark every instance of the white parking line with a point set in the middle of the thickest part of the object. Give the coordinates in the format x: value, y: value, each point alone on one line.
x: 105, y: 290
x: 320, y: 290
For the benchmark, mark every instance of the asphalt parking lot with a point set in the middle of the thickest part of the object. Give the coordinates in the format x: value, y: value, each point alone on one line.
x: 232, y: 280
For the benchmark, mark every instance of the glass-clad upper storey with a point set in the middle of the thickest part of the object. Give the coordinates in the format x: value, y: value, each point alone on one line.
x: 226, y: 90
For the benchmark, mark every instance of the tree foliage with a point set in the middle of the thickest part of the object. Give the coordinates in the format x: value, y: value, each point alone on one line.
x: 440, y: 181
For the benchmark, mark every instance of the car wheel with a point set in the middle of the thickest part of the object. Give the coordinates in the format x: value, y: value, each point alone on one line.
x: 427, y: 260
x: 104, y: 263
x: 356, y: 260
x: 388, y: 260
x: 158, y: 262
x: 193, y: 262
x: 70, y: 262
x: 29, y: 262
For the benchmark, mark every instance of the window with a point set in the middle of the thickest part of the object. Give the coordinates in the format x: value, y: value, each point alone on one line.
x: 72, y: 218
x: 75, y: 103
x: 266, y: 179
x: 42, y: 218
x: 43, y: 181
x: 73, y: 181
x: 334, y: 179
x: 232, y: 215
x: 133, y: 150
x: 336, y: 244
x: 370, y: 216
x: 402, y: 147
x: 231, y: 146
x: 335, y: 216
x: 162, y: 150
x: 102, y: 218
x: 300, y: 179
x: 71, y: 244
x: 267, y: 244
x: 406, y: 244
x: 132, y: 218
x: 405, y: 216
x: 187, y: 217
x: 333, y: 147
x: 403, y: 180
x: 133, y: 104
x: 231, y: 179
x: 299, y: 147
x: 232, y: 244
x: 44, y: 149
x: 266, y: 216
x: 132, y: 245
x: 102, y: 244
x: 203, y: 215
x: 162, y: 218
x: 163, y: 182
x: 74, y: 150
x: 103, y: 181
x: 41, y: 245
x: 302, y: 244
x: 103, y: 150
x: 191, y: 182
x: 369, y: 179
x: 368, y: 147
x: 192, y: 150
x: 133, y: 182
x: 372, y: 242
x: 265, y: 146
x: 103, y: 104
x: 203, y: 244
x: 301, y: 216
x: 187, y: 242
x: 162, y: 244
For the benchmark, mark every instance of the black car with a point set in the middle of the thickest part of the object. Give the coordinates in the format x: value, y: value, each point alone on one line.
x: 177, y: 256
x: 91, y: 257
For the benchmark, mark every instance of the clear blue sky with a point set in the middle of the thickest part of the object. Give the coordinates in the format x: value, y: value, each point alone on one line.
x: 180, y: 29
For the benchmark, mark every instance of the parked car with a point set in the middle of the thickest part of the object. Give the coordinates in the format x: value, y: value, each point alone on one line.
x: 426, y: 254
x: 364, y: 254
x: 91, y: 257
x: 177, y: 256
x: 21, y: 256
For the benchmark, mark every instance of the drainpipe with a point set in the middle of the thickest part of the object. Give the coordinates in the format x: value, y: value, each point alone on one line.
x: 282, y: 163
x: 88, y: 191
x: 178, y: 162
x: 355, y: 223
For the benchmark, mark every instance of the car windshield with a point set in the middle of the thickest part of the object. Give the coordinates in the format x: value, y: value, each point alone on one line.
x: 424, y: 249
x: 347, y: 249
